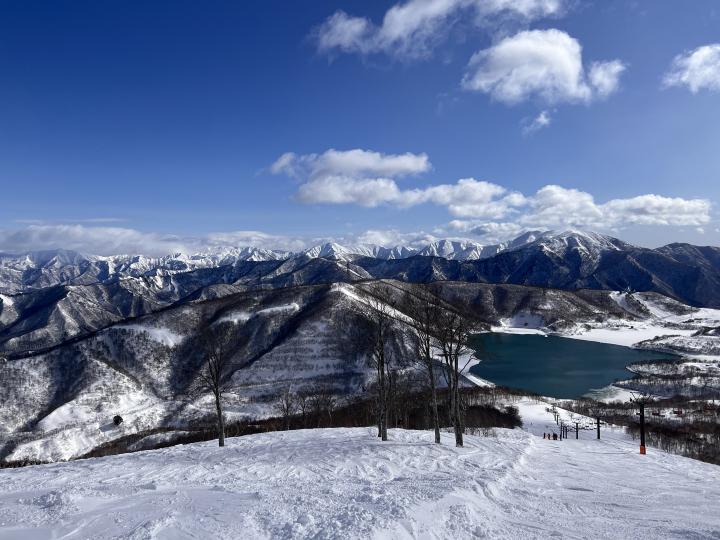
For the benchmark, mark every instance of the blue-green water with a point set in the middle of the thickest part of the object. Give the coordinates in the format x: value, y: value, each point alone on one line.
x: 554, y: 366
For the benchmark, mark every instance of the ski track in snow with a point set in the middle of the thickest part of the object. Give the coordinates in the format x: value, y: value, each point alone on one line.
x: 345, y: 483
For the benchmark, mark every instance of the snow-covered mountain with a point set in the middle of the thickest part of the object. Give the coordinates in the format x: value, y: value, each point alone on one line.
x: 59, y: 267
x: 566, y: 260
x: 70, y: 362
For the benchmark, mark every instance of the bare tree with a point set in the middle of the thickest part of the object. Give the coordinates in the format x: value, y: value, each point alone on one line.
x: 287, y: 406
x: 424, y: 312
x: 304, y: 406
x: 451, y: 335
x: 373, y: 333
x: 214, y: 372
x: 322, y: 403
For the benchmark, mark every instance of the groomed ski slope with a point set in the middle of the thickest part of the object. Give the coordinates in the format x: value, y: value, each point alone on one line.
x: 345, y: 483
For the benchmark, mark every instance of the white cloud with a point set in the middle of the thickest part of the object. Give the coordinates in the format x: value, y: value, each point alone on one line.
x: 94, y: 240
x: 542, y: 120
x: 467, y: 197
x: 393, y: 237
x: 658, y: 210
x: 542, y: 64
x: 605, y: 77
x: 355, y: 162
x: 257, y: 239
x: 555, y: 207
x: 342, y: 178
x: 489, y: 232
x: 349, y: 177
x: 118, y: 240
x: 345, y: 33
x: 368, y: 192
x: 698, y: 69
x: 413, y: 28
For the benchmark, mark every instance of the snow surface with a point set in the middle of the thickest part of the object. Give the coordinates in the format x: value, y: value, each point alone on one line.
x: 161, y: 335
x: 345, y: 483
x: 661, y: 322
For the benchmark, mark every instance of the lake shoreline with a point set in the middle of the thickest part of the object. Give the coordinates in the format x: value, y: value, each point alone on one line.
x: 550, y: 364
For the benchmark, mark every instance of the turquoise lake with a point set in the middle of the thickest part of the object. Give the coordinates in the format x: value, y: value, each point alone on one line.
x: 554, y: 366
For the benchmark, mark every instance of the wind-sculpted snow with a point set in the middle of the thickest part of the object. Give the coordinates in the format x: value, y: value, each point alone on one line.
x: 345, y: 483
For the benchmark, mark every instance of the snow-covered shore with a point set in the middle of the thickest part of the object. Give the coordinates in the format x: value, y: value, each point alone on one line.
x: 345, y: 483
x: 657, y: 320
x: 661, y: 325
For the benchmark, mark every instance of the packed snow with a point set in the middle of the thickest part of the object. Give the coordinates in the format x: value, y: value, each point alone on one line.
x: 345, y: 483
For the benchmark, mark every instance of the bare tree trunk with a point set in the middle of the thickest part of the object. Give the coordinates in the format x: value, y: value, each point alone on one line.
x: 382, y: 417
x: 457, y: 418
x: 220, y: 420
x: 433, y: 389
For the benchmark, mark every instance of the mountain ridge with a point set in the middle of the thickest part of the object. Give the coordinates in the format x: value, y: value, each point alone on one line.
x: 566, y: 260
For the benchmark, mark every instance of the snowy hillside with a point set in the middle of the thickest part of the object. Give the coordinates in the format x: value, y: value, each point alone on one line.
x: 62, y: 393
x: 345, y: 483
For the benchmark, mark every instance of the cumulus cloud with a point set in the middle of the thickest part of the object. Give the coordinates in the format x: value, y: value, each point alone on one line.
x: 413, y: 28
x: 349, y: 178
x: 355, y: 162
x: 698, y: 69
x: 368, y: 192
x: 369, y: 179
x: 658, y: 210
x: 542, y: 64
x: 555, y: 206
x: 467, y: 197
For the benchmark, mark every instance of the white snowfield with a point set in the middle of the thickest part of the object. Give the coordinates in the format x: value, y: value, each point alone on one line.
x: 660, y: 322
x: 345, y: 483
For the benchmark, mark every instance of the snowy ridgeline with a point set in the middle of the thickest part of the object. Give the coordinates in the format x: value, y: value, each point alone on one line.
x: 345, y: 483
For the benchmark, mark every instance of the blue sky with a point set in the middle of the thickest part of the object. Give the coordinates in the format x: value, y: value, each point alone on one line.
x: 152, y: 126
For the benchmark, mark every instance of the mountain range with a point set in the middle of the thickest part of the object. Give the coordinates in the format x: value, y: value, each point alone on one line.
x: 83, y: 338
x: 566, y: 260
